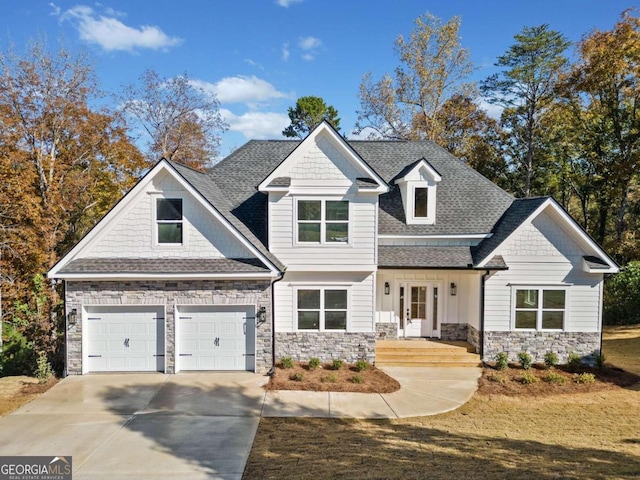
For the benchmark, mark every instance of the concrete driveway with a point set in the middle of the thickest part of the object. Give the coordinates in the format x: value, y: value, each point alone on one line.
x: 187, y: 426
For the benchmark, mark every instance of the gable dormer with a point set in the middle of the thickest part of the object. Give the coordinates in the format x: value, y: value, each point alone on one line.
x: 418, y: 185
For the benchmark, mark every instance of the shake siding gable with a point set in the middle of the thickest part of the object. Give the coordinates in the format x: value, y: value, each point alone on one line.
x: 132, y: 233
x: 542, y: 254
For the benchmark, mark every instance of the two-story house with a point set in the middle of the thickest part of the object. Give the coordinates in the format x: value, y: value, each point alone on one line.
x: 317, y: 248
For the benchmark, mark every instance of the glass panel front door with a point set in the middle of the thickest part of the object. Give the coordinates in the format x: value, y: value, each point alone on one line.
x: 422, y: 311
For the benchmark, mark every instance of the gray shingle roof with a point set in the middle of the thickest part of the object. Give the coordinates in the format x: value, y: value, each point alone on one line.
x: 467, y: 202
x: 164, y: 265
x: 424, y: 257
x: 512, y: 218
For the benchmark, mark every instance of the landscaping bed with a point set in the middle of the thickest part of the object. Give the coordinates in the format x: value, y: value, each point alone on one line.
x: 327, y: 378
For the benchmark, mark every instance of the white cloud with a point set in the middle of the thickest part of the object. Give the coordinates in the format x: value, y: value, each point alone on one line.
x: 309, y: 43
x: 56, y: 9
x: 253, y: 63
x: 111, y: 34
x: 367, y: 133
x: 285, y: 52
x: 309, y: 47
x: 241, y: 89
x: 286, y: 3
x: 493, y: 111
x: 256, y: 125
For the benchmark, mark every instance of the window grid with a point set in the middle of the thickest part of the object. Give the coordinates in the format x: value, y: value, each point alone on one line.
x: 540, y: 309
x: 322, y: 309
x: 323, y: 221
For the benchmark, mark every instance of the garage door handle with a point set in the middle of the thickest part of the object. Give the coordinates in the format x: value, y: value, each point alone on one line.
x: 183, y: 355
x: 126, y: 342
x: 216, y: 342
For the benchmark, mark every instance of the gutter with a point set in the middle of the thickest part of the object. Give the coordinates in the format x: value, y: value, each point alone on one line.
x: 273, y: 326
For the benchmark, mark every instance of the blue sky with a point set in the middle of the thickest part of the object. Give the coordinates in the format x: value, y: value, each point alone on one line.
x: 259, y: 56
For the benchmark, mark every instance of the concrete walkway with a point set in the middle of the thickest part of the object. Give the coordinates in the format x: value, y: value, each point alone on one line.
x: 424, y: 391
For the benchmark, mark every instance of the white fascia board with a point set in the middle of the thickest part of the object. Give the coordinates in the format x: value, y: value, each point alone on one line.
x: 163, y: 165
x: 479, y: 236
x: 422, y: 163
x: 340, y: 142
x: 570, y: 222
x: 332, y: 268
x: 166, y: 276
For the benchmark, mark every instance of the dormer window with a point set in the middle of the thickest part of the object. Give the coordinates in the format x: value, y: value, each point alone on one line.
x: 418, y: 189
x: 169, y: 221
x: 420, y: 202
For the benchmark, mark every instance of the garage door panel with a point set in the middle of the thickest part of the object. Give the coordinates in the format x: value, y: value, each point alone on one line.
x: 223, y: 342
x: 125, y: 338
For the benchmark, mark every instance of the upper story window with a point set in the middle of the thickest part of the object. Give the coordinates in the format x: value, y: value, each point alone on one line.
x: 323, y: 221
x: 420, y: 202
x: 169, y: 220
x: 540, y: 309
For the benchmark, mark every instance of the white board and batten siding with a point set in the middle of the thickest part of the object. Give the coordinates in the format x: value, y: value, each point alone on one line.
x: 132, y: 233
x: 360, y: 288
x: 542, y: 254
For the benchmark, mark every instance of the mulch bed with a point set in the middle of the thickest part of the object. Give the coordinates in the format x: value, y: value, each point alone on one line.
x: 324, y: 379
x: 510, y: 381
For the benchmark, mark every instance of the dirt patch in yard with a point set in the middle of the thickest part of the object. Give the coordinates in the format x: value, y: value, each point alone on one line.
x: 18, y: 391
x: 325, y: 379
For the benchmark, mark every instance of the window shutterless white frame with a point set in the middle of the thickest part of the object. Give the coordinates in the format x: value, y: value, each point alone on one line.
x: 157, y: 222
x: 323, y: 222
x: 533, y: 302
x: 322, y: 308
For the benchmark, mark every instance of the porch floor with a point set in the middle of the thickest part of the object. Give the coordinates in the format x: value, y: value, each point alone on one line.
x: 423, y: 352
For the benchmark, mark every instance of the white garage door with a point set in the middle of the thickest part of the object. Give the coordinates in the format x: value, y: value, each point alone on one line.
x: 216, y: 337
x: 125, y: 339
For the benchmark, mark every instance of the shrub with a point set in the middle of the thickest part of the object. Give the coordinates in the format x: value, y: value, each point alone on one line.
x: 297, y: 377
x: 555, y: 377
x: 331, y: 378
x: 496, y: 377
x: 525, y: 360
x: 286, y: 362
x: 357, y: 379
x: 585, y: 378
x: 362, y: 365
x: 502, y: 361
x: 529, y: 378
x: 550, y: 360
x: 600, y: 359
x: 574, y: 362
x: 314, y: 363
x: 337, y: 364
x: 622, y: 296
x: 18, y: 356
x: 43, y: 371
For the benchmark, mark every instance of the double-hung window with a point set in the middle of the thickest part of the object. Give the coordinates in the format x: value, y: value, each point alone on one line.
x: 322, y: 309
x: 420, y: 202
x: 323, y: 221
x: 540, y: 309
x: 169, y: 221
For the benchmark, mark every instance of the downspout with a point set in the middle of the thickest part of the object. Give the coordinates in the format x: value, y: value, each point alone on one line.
x: 273, y: 326
x: 481, y: 346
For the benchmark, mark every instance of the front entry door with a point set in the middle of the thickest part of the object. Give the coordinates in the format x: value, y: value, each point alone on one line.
x: 422, y: 311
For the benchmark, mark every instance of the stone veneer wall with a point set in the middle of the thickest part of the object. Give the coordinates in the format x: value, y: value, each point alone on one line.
x: 169, y: 294
x: 539, y: 343
x: 473, y: 337
x: 387, y: 331
x: 453, y: 331
x: 348, y: 346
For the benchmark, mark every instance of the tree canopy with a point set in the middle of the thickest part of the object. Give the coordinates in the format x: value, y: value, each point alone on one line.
x: 307, y: 114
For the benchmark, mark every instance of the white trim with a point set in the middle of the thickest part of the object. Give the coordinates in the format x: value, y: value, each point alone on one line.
x: 341, y: 143
x: 165, y: 276
x: 437, y: 237
x: 422, y: 163
x: 323, y: 223
x: 540, y: 308
x: 321, y: 321
x: 101, y: 226
x: 570, y: 222
x: 156, y: 223
x: 540, y: 284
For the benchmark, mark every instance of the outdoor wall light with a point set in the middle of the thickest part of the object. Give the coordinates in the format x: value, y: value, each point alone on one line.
x: 387, y: 289
x: 454, y: 289
x: 262, y: 315
x: 73, y: 316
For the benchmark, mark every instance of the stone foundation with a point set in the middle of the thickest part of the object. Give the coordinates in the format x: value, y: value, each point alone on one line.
x: 538, y: 343
x: 387, y: 331
x: 326, y: 346
x: 169, y: 294
x: 473, y: 337
x: 453, y: 331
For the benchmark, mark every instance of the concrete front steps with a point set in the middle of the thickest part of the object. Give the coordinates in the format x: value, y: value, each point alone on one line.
x: 425, y: 353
